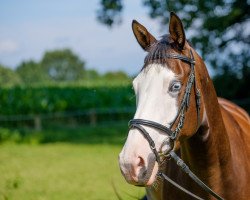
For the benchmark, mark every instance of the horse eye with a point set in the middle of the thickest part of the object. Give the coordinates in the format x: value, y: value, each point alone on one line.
x: 175, y: 87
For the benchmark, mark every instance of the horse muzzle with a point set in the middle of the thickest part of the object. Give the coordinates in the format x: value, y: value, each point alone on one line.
x: 137, y: 170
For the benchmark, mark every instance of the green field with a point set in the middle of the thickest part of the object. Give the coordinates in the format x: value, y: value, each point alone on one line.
x: 65, y: 170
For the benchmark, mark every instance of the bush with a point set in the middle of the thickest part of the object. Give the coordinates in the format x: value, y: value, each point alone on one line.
x: 9, y: 135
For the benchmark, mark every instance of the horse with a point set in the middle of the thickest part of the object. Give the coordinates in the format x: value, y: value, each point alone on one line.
x: 179, y: 114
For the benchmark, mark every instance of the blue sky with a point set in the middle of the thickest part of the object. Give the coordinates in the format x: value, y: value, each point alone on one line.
x: 30, y: 27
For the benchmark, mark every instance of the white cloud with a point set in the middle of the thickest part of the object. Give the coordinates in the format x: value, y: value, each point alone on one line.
x: 8, y: 46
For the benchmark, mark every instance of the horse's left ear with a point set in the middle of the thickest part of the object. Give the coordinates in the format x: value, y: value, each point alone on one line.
x: 176, y: 30
x: 143, y: 37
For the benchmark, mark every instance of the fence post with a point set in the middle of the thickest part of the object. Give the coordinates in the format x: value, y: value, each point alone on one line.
x: 93, y: 117
x: 37, y: 123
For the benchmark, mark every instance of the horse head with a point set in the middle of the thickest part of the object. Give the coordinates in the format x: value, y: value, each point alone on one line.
x: 160, y: 88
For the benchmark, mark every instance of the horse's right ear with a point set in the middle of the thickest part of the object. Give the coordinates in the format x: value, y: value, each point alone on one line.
x: 176, y: 30
x: 143, y: 37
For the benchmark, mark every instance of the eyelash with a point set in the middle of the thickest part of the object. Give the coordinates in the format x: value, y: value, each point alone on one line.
x: 172, y: 89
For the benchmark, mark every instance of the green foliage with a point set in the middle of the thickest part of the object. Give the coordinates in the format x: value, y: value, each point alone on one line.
x: 31, y: 72
x: 100, y: 134
x: 9, y: 135
x: 218, y: 29
x: 119, y: 75
x: 58, y: 67
x: 8, y: 77
x: 217, y: 26
x: 109, y: 13
x: 91, y: 74
x: 230, y: 86
x: 51, y: 99
x: 62, y: 65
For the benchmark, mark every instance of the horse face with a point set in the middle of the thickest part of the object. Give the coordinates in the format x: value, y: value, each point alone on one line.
x: 156, y: 89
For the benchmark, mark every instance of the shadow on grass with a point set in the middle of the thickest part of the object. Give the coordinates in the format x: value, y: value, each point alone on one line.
x: 111, y: 133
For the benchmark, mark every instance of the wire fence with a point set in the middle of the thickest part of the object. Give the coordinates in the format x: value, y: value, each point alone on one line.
x: 88, y: 117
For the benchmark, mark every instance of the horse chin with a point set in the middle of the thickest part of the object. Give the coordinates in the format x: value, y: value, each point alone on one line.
x: 149, y: 179
x: 153, y: 176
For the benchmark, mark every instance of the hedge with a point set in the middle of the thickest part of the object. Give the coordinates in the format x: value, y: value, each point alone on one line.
x: 51, y: 99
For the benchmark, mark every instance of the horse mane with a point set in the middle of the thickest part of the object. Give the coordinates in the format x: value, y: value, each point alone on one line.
x: 160, y: 48
x: 157, y: 51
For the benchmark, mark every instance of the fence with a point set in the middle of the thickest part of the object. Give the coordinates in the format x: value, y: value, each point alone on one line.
x: 85, y: 117
x: 90, y: 116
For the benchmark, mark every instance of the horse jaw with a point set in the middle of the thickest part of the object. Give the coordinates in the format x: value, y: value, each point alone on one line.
x: 137, y: 161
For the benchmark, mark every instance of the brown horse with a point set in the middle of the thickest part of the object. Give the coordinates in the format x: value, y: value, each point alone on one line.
x: 214, y: 140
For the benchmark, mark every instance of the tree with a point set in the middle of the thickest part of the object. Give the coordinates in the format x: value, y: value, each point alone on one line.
x: 118, y: 75
x: 218, y: 29
x: 8, y: 77
x: 31, y: 72
x: 109, y: 13
x: 230, y: 86
x: 62, y: 65
x: 91, y: 74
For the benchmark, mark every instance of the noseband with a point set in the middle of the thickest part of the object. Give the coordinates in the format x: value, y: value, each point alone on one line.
x: 173, y: 134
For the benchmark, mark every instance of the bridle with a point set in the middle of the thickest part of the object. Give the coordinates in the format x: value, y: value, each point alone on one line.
x: 180, y: 117
x: 173, y: 134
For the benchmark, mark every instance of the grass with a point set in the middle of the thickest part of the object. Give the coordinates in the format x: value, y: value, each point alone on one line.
x: 70, y: 163
x: 62, y: 171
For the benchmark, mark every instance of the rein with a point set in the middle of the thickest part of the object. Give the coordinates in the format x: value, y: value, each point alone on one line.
x: 173, y: 134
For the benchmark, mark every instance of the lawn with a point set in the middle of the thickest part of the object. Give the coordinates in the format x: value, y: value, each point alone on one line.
x: 64, y: 170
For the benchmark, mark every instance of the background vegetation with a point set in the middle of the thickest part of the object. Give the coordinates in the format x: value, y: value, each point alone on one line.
x: 58, y: 139
x: 218, y: 30
x: 62, y: 125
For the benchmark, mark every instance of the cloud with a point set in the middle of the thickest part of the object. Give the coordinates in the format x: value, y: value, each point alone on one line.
x: 8, y: 46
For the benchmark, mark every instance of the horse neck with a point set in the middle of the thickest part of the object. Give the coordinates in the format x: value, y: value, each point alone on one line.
x: 207, y: 152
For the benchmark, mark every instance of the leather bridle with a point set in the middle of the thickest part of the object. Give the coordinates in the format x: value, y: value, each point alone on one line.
x: 173, y: 134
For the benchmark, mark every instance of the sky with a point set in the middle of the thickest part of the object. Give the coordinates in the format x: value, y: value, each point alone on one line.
x: 28, y: 28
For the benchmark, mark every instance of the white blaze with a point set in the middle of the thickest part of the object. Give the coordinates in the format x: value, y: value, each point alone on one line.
x: 155, y: 103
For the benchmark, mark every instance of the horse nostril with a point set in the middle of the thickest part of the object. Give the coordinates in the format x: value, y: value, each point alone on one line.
x: 141, y: 162
x: 139, y: 166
